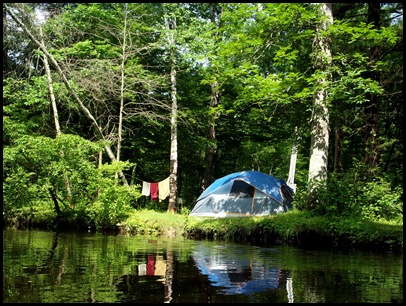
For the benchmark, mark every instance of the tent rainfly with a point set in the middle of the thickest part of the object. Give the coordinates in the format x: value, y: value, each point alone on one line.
x: 245, y: 193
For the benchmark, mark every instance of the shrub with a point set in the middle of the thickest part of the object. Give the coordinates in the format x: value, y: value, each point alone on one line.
x: 112, y: 206
x: 349, y: 195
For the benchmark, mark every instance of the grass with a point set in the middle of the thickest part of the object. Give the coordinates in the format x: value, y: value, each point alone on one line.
x: 151, y: 222
x: 294, y: 228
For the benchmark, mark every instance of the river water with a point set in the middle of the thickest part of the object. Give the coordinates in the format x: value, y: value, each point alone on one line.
x: 49, y: 267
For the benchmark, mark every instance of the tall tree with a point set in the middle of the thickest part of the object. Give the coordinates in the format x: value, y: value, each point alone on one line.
x: 211, y: 148
x: 56, y: 120
x: 366, y: 70
x: 182, y: 25
x: 320, y: 114
x: 170, y: 25
x: 122, y: 83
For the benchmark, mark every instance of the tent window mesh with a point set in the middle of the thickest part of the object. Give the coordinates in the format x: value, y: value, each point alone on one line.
x: 242, y: 190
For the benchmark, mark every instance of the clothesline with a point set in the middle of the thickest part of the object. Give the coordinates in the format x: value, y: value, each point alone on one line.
x: 157, y: 190
x: 141, y: 180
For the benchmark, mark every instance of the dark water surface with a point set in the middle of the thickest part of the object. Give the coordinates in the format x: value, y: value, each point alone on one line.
x: 49, y: 267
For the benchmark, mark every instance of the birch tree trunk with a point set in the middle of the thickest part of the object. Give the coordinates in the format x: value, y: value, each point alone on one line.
x: 69, y: 88
x: 320, y: 114
x: 123, y: 59
x: 173, y: 185
x: 56, y: 119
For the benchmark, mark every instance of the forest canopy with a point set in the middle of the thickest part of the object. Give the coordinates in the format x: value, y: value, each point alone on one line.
x: 101, y: 97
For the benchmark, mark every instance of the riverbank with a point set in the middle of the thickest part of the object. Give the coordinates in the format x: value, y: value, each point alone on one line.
x: 294, y: 228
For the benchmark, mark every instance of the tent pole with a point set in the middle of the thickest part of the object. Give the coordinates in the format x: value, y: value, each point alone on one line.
x: 252, y: 201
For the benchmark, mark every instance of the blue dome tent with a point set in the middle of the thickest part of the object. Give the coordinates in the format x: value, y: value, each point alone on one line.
x: 245, y: 193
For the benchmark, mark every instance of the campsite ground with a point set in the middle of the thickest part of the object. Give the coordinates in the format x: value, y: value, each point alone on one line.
x: 292, y: 228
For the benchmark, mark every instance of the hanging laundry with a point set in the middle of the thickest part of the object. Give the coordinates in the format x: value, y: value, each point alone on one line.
x: 154, y: 191
x: 142, y: 269
x: 151, y: 265
x: 163, y: 187
x: 145, y: 189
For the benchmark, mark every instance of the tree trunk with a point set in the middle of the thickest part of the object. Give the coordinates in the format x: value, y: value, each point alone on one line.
x: 211, y: 146
x: 56, y: 120
x: 120, y: 115
x: 69, y: 88
x: 55, y: 200
x: 320, y: 114
x: 173, y: 186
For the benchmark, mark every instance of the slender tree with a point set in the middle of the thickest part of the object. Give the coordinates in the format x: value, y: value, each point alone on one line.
x: 170, y: 24
x: 320, y: 114
x: 122, y: 83
x: 211, y: 148
x: 56, y: 118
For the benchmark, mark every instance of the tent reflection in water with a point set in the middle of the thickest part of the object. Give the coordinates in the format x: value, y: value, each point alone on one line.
x: 245, y: 193
x: 235, y: 270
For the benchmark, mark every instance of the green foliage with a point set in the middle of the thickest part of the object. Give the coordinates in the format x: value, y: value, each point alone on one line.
x: 185, y: 211
x: 349, y: 194
x: 34, y: 165
x: 259, y: 54
x: 25, y: 107
x: 115, y: 166
x: 112, y: 205
x: 379, y: 200
x: 89, y: 49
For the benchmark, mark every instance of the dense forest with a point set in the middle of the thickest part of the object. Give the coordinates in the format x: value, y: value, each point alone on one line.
x: 101, y: 97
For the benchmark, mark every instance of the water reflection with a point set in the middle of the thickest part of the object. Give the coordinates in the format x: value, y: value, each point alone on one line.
x: 238, y: 270
x: 160, y: 268
x: 46, y: 267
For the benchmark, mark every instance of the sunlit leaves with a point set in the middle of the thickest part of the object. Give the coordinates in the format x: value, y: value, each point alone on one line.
x: 48, y: 159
